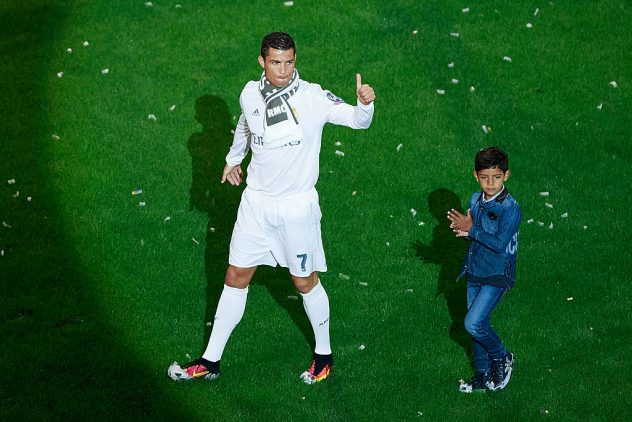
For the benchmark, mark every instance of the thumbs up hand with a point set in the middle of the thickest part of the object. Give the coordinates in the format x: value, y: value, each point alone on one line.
x: 365, y: 92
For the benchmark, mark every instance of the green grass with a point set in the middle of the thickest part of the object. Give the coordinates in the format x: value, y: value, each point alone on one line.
x: 101, y: 294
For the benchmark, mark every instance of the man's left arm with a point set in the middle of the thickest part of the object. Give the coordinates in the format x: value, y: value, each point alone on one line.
x: 355, y: 117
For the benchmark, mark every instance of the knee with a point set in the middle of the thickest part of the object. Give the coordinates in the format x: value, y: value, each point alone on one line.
x: 473, y: 326
x: 238, y: 277
x: 305, y: 284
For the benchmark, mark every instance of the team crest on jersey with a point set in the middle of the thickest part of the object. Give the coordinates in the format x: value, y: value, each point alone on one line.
x: 335, y: 99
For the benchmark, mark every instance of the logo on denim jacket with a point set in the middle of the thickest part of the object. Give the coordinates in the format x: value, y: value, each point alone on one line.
x: 512, y: 246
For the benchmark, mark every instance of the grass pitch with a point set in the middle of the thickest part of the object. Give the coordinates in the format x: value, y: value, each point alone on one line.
x: 101, y: 293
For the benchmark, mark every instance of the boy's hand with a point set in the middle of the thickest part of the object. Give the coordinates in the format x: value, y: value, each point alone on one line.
x: 459, y: 223
x: 232, y: 174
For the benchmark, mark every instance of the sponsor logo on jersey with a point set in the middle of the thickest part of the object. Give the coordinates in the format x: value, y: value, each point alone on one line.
x: 256, y: 112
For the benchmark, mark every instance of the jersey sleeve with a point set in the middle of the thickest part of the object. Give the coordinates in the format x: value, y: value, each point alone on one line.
x: 241, y: 143
x: 340, y: 113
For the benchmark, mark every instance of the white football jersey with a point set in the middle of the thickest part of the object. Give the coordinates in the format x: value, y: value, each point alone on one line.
x: 291, y: 169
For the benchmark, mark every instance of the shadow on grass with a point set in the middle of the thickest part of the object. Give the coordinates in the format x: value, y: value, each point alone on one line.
x: 208, y: 150
x: 60, y: 359
x: 448, y: 251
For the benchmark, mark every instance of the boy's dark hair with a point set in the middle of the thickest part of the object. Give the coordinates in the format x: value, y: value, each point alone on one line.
x: 278, y: 40
x: 491, y: 157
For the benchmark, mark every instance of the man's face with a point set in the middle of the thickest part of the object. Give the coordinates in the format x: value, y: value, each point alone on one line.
x: 278, y: 66
x: 491, y: 180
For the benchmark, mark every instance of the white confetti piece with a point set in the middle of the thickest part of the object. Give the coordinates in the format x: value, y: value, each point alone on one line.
x: 141, y: 204
x: 455, y: 81
x: 388, y: 243
x: 408, y: 290
x: 2, y: 252
x: 550, y: 226
x: 292, y: 297
x: 544, y: 194
x: 455, y: 34
x: 195, y: 241
x: 232, y: 131
x: 343, y: 276
x: 60, y: 74
x: 209, y: 324
x: 421, y: 223
x: 338, y: 143
x: 362, y: 347
x: 540, y: 223
x: 86, y: 43
x: 362, y: 283
x: 399, y: 147
x: 340, y: 153
x: 466, y: 10
x: 354, y: 193
x: 585, y: 227
x: 137, y: 192
x: 440, y: 91
x: 537, y: 10
x: 569, y: 298
x: 11, y: 181
x: 288, y: 3
x: 152, y: 117
x: 188, y: 356
x: 600, y: 106
x: 507, y: 59
x: 613, y: 84
x: 413, y: 212
x: 166, y: 219
x: 211, y: 229
x: 29, y: 198
x: 148, y: 4
x: 55, y: 137
x: 7, y: 225
x: 173, y: 107
x: 142, y: 242
x: 565, y: 215
x: 485, y: 129
x: 16, y: 194
x: 472, y: 89
x: 546, y: 204
x: 178, y: 6
x: 105, y: 71
x: 69, y: 50
x: 530, y: 221
x: 451, y: 65
x: 415, y: 31
x: 529, y: 25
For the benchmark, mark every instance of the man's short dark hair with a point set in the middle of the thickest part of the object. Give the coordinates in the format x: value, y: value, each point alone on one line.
x: 278, y: 40
x: 491, y: 157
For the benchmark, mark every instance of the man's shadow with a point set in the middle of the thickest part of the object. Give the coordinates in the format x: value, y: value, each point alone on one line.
x: 448, y: 251
x: 218, y: 201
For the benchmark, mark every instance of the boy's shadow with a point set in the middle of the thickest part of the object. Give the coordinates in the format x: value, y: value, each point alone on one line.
x: 448, y: 251
x: 208, y: 150
x: 219, y: 202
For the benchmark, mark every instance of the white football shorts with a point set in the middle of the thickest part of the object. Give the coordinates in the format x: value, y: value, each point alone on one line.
x: 278, y: 231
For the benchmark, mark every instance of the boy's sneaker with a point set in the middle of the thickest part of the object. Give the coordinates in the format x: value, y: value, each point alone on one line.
x: 478, y: 383
x: 319, y: 370
x: 501, y: 372
x: 197, y: 369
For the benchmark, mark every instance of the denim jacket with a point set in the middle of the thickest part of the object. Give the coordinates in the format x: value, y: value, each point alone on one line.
x: 491, y: 256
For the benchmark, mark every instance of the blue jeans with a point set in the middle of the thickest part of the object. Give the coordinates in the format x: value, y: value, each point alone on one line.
x: 481, y: 302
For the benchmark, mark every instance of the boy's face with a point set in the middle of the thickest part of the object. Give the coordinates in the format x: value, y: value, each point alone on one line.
x: 491, y: 180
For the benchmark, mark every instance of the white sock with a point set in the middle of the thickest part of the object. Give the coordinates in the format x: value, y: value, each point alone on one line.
x: 230, y: 309
x: 316, y: 304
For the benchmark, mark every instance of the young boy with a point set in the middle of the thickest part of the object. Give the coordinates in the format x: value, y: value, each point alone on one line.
x: 491, y: 226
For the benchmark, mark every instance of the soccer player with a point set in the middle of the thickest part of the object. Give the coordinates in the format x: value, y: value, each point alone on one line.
x: 278, y: 221
x: 491, y: 226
